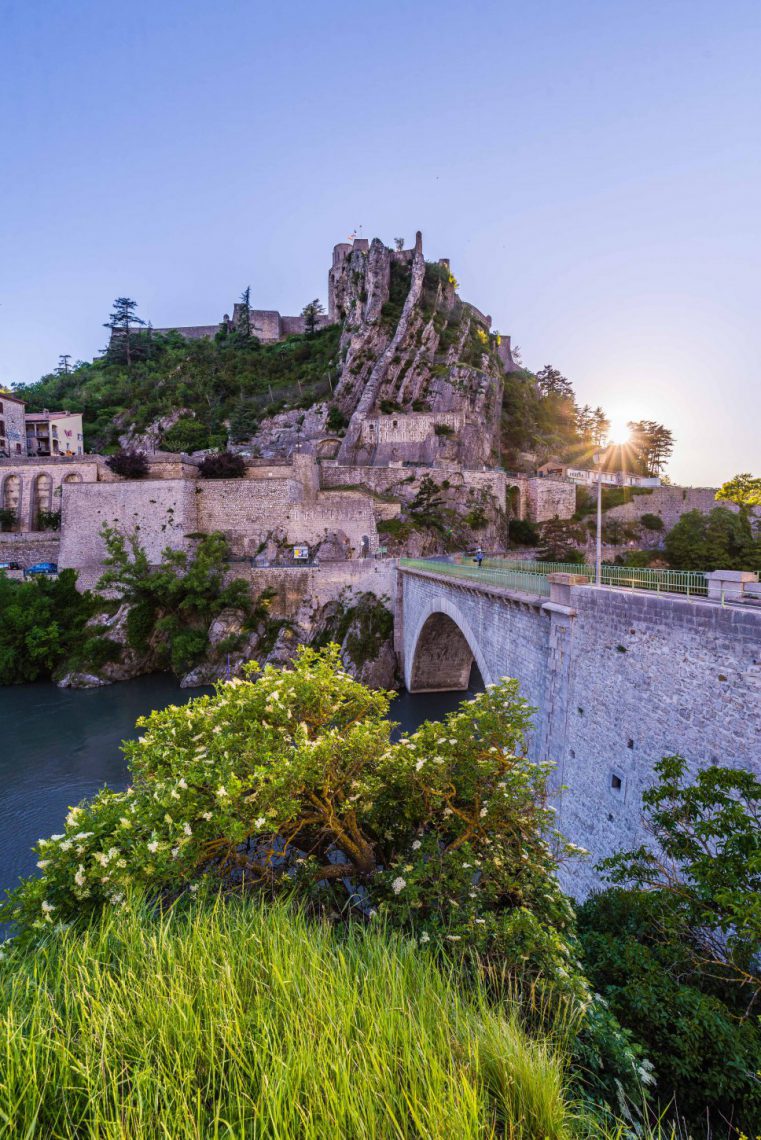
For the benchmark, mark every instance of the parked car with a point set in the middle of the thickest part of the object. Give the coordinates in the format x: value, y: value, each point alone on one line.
x: 42, y: 568
x: 10, y: 566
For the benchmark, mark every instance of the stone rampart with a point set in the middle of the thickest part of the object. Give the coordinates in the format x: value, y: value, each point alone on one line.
x: 162, y: 513
x: 670, y: 503
x: 619, y: 679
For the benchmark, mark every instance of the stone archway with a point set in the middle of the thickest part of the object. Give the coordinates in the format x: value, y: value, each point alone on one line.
x: 11, y: 500
x: 42, y: 498
x: 443, y: 651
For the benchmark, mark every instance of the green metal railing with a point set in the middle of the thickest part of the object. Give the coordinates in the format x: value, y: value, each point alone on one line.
x: 523, y: 581
x: 531, y: 577
x: 692, y: 583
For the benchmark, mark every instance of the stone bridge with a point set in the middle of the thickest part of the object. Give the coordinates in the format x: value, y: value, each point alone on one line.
x: 619, y: 678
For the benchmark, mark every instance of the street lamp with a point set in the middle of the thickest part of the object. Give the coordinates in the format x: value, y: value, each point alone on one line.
x: 597, y: 457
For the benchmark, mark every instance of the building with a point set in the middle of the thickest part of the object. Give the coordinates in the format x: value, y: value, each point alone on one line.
x: 53, y: 433
x: 12, y: 426
x: 555, y: 469
x: 37, y: 434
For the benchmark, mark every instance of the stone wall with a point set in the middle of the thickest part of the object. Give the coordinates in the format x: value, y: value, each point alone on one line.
x: 162, y: 512
x: 547, y: 498
x: 619, y: 679
x: 670, y: 503
x: 39, y: 546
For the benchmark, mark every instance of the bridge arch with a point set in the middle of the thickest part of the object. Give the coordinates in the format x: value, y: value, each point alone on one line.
x: 443, y: 648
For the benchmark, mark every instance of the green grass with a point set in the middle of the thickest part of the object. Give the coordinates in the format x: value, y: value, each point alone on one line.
x: 229, y: 1020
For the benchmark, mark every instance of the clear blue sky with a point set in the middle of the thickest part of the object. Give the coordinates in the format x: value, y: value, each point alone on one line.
x: 592, y: 169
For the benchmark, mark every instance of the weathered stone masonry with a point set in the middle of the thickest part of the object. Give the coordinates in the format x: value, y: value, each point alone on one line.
x: 619, y: 679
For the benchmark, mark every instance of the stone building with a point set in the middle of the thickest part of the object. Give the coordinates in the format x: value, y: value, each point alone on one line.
x: 12, y: 426
x: 38, y: 434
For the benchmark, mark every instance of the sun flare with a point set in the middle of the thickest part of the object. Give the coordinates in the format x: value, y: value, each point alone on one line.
x: 619, y: 431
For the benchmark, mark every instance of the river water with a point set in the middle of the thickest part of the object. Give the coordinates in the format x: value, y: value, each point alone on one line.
x: 58, y: 746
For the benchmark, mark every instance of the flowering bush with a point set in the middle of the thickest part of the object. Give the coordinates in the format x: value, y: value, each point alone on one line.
x: 289, y: 779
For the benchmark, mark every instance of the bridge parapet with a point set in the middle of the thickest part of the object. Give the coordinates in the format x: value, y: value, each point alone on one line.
x: 618, y: 677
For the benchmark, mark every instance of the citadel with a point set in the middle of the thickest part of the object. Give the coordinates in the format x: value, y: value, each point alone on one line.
x: 618, y: 678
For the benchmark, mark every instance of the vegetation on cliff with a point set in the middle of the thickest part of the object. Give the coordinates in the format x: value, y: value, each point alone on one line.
x: 230, y: 378
x: 673, y: 946
x: 719, y: 540
x: 43, y: 625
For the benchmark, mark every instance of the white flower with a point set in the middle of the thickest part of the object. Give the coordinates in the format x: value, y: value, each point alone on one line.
x: 223, y: 793
x: 47, y: 907
x: 416, y: 845
x: 484, y: 811
x: 260, y: 822
x: 452, y: 741
x: 187, y: 829
x: 117, y: 899
x: 175, y: 852
x: 84, y: 835
x: 55, y: 838
x: 79, y: 878
x: 425, y: 936
x: 466, y: 865
x: 453, y: 937
x: 182, y: 784
x: 42, y: 863
x: 481, y: 921
x: 153, y: 846
x: 193, y: 888
x: 206, y: 815
x: 398, y: 885
x: 419, y: 764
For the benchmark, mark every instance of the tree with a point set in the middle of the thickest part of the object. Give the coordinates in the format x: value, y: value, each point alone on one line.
x: 244, y: 327
x: 551, y: 382
x: 399, y: 244
x: 744, y: 490
x: 128, y: 463
x: 64, y: 367
x: 41, y: 622
x: 673, y: 945
x: 122, y: 321
x: 719, y: 540
x: 652, y: 445
x: 312, y: 314
x: 560, y: 539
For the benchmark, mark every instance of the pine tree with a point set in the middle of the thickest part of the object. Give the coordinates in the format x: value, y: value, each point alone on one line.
x: 123, y: 320
x: 311, y: 314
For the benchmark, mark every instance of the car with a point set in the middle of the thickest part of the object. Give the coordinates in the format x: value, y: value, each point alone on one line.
x: 42, y: 568
x: 10, y: 565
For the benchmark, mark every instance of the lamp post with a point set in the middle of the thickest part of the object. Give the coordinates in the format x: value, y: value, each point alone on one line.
x: 598, y: 555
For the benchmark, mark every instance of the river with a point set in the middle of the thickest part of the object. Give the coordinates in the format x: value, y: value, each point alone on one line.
x: 58, y: 746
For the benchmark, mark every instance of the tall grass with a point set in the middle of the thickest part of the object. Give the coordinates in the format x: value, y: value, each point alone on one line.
x: 232, y: 1021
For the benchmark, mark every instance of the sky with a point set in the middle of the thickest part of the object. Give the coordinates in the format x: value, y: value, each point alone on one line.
x: 592, y: 170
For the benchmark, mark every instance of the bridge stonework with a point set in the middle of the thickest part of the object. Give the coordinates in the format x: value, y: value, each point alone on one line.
x: 619, y: 679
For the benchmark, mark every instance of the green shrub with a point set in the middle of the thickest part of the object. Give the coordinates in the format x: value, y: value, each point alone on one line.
x: 42, y: 622
x: 676, y: 953
x: 187, y: 435
x: 49, y: 520
x: 651, y: 521
x: 336, y: 420
x: 521, y: 532
x: 444, y: 430
x: 719, y: 540
x: 8, y: 518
